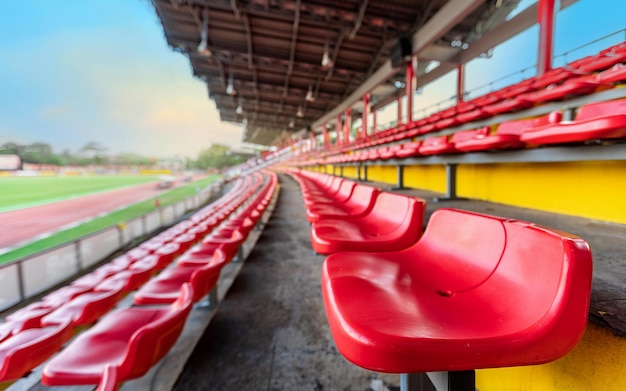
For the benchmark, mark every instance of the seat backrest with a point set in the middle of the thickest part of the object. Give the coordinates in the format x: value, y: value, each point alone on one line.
x: 518, y: 127
x: 434, y: 141
x: 152, y: 342
x: 511, y: 264
x: 203, y: 280
x: 109, y: 380
x: 461, y: 249
x: 601, y: 109
x: 469, y: 134
x: 362, y: 199
x: 398, y: 214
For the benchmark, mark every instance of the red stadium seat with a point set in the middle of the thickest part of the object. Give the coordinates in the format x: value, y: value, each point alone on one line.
x: 507, y: 135
x: 109, y: 381
x: 599, y: 120
x: 360, y: 203
x: 452, y: 301
x: 616, y: 74
x: 394, y: 222
x: 437, y: 145
x: 86, y: 308
x: 132, y: 340
x: 581, y: 85
x: 165, y: 287
x: 30, y: 347
x: 409, y: 149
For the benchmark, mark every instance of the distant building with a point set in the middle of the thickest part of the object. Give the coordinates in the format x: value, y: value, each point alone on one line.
x: 10, y: 162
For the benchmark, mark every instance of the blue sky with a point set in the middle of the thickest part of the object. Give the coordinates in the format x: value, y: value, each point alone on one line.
x: 91, y: 70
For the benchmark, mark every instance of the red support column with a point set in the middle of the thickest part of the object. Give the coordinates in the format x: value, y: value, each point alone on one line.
x: 338, y: 137
x: 410, y: 76
x: 460, y: 83
x: 367, y: 107
x: 325, y: 138
x: 399, y: 111
x: 546, y: 15
x: 347, y: 124
x: 374, y: 122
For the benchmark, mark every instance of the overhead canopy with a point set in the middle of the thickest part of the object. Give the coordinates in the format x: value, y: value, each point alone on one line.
x: 280, y: 66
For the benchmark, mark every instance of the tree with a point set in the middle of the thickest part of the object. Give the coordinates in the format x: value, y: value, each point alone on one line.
x: 217, y: 156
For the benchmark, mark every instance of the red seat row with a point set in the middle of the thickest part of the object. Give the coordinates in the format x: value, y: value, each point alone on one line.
x: 29, y: 336
x: 448, y: 300
x: 452, y: 300
x: 349, y: 216
x: 591, y: 74
x: 594, y: 121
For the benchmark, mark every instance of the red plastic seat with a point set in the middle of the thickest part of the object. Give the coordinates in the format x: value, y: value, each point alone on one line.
x: 360, y: 203
x: 409, y: 149
x: 30, y: 347
x: 109, y: 381
x: 475, y: 291
x: 132, y: 340
x: 85, y: 309
x: 437, y: 145
x: 394, y: 222
x: 165, y: 287
x: 581, y: 85
x: 460, y: 137
x: 599, y: 120
x: 507, y: 135
x: 343, y: 194
x: 614, y: 75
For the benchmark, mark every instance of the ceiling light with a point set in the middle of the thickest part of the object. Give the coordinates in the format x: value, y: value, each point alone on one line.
x: 230, y: 89
x: 292, y: 123
x: 309, y: 95
x: 300, y: 112
x: 203, y: 47
x: 398, y: 84
x: 239, y: 109
x: 326, y: 60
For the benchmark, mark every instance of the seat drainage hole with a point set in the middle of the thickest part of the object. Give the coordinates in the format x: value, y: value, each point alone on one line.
x: 445, y: 293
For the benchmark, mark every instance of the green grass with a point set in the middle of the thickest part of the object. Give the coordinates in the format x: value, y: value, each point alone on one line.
x: 19, y: 192
x: 112, y: 219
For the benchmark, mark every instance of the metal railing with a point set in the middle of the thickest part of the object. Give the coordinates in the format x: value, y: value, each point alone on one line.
x: 37, y: 273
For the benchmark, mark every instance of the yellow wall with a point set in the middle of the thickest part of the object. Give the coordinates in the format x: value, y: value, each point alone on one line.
x: 587, y: 189
x: 598, y: 362
x: 426, y: 177
x: 383, y: 174
x: 349, y: 172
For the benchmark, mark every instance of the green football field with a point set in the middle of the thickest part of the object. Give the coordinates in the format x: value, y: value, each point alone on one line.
x: 166, y: 198
x: 21, y: 192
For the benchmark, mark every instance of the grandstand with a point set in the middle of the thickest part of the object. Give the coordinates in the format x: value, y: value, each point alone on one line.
x: 474, y: 246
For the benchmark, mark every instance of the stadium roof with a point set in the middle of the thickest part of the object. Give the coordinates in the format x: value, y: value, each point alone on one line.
x: 280, y: 66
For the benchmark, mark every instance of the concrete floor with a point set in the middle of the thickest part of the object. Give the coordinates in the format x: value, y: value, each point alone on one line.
x: 270, y: 332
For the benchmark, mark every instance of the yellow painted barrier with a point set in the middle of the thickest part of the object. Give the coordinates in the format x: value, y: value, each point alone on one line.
x: 426, y: 177
x: 598, y: 362
x: 587, y: 189
x: 382, y: 174
x: 350, y: 172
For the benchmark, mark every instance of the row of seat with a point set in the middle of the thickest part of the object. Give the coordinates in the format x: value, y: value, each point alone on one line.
x: 594, y: 121
x: 131, y: 340
x: 450, y: 300
x: 349, y: 216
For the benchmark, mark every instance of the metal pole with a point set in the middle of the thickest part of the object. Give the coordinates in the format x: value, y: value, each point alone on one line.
x: 546, y: 15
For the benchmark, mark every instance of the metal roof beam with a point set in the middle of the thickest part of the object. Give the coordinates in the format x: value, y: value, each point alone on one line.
x: 359, y: 19
x: 445, y: 19
x: 502, y: 33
